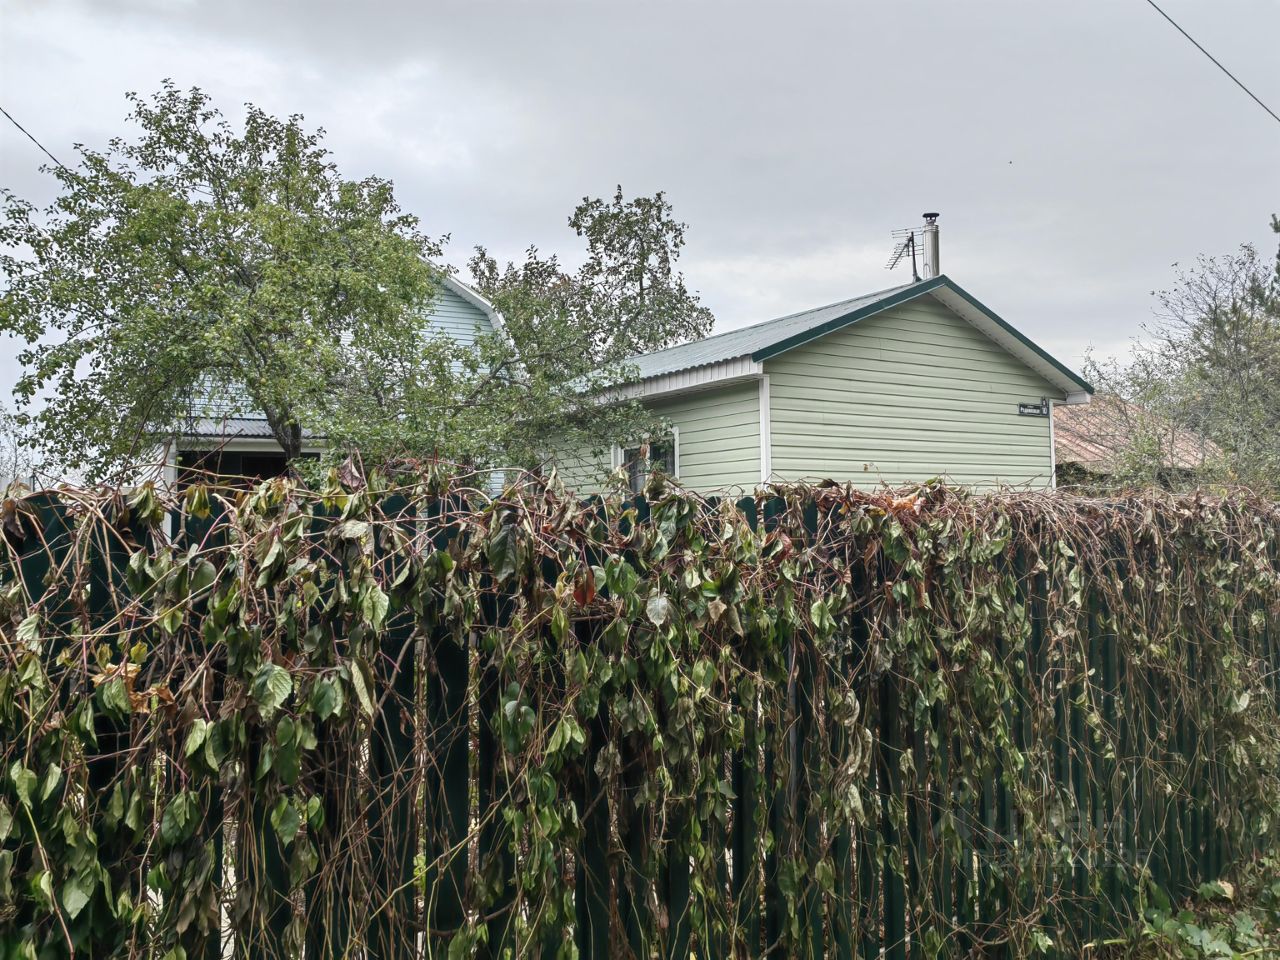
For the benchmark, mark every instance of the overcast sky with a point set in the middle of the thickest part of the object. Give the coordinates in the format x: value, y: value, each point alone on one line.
x: 1075, y: 150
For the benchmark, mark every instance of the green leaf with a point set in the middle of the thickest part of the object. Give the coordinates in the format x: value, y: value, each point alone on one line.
x: 567, y: 734
x: 24, y: 782
x: 704, y: 674
x: 42, y: 887
x: 501, y: 553
x: 179, y: 818
x: 559, y: 624
x: 287, y: 762
x: 374, y: 605
x: 820, y: 611
x: 114, y: 698
x: 52, y: 776
x: 353, y: 529
x: 271, y: 687
x: 196, y: 736
x: 76, y: 894
x: 326, y: 698
x: 29, y: 629
x: 203, y: 576
x: 361, y: 684
x: 285, y: 821
x: 658, y: 609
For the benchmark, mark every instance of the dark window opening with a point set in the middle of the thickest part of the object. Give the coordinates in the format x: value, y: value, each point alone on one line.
x: 656, y: 455
x: 230, y: 467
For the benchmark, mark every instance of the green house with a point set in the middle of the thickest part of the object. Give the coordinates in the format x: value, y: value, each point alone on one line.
x: 893, y: 387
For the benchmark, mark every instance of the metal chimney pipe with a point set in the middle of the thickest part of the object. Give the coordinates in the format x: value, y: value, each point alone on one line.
x: 932, y: 267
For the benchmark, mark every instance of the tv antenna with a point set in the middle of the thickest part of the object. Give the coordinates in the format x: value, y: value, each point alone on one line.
x: 905, y: 243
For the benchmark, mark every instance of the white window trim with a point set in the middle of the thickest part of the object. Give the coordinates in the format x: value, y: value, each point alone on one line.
x: 617, y: 455
x: 766, y: 432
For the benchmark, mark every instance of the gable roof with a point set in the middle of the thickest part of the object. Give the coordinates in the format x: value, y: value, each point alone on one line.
x: 763, y: 341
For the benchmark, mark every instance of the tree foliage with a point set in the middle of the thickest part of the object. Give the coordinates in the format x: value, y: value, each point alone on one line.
x: 200, y: 269
x: 543, y: 382
x: 1210, y: 365
x: 199, y: 263
x: 571, y: 333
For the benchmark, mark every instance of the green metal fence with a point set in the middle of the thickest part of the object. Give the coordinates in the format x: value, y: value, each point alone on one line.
x: 1106, y: 781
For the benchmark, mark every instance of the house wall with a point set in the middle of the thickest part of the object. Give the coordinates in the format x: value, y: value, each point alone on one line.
x: 719, y: 441
x: 912, y: 393
x: 461, y: 320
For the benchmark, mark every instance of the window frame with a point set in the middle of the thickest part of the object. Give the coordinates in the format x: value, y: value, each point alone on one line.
x: 618, y: 455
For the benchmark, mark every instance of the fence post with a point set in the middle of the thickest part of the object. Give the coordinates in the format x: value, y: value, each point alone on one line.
x: 746, y: 787
x: 777, y: 801
x: 593, y: 887
x: 448, y: 774
x: 495, y: 858
x: 394, y: 817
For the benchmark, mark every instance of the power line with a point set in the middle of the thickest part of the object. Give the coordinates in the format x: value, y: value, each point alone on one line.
x: 1216, y: 61
x: 34, y: 140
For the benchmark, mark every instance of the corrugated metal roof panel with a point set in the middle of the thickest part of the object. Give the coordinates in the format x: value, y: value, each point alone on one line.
x: 747, y: 340
x: 230, y: 428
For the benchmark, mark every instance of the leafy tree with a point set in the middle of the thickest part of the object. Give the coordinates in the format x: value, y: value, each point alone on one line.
x: 545, y: 382
x: 569, y: 335
x: 200, y: 269
x: 199, y: 263
x: 1210, y: 364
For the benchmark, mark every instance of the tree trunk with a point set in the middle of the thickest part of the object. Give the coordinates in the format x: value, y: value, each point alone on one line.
x: 287, y: 432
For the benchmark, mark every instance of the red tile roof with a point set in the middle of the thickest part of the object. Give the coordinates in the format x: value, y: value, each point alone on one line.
x: 1096, y: 435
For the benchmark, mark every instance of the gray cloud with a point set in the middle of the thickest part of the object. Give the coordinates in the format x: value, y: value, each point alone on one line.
x: 1075, y: 150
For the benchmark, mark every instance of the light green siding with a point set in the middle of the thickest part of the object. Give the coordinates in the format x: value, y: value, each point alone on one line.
x: 911, y: 393
x: 579, y: 471
x: 457, y: 318
x: 719, y: 436
x: 719, y: 431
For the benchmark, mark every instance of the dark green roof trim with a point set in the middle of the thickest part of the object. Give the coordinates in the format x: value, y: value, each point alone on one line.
x: 904, y: 296
x: 813, y: 333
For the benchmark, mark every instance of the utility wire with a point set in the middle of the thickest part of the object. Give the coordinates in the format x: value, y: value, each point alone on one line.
x: 1216, y: 61
x: 33, y: 139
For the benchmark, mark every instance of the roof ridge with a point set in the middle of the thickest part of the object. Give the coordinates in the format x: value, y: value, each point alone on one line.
x: 789, y: 316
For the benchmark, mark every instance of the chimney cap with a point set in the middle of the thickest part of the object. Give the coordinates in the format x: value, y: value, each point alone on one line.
x: 931, y: 217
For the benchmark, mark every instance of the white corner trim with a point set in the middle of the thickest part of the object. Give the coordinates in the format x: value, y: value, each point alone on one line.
x: 169, y: 472
x: 766, y: 432
x: 1079, y: 396
x: 1053, y: 450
